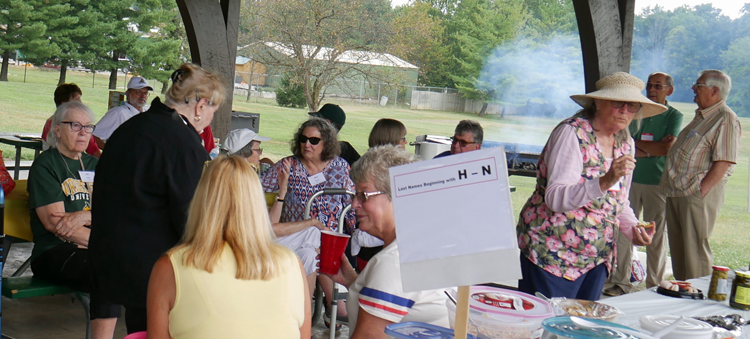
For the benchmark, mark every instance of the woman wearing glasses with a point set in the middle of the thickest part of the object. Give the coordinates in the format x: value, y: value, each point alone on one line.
x: 376, y: 298
x: 59, y: 185
x: 314, y: 166
x: 568, y: 228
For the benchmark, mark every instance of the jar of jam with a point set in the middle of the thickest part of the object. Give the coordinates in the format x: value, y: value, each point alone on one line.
x: 718, y: 289
x: 740, y: 298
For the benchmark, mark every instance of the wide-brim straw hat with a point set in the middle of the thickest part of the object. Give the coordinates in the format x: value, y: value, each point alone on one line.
x: 621, y: 86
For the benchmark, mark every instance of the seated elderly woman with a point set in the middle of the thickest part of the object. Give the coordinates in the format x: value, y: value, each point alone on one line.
x: 302, y: 237
x: 376, y: 298
x: 567, y: 229
x: 227, y: 278
x: 59, y: 185
x: 314, y: 166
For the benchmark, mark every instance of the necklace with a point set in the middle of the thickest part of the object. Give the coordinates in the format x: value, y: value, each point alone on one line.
x: 68, y: 168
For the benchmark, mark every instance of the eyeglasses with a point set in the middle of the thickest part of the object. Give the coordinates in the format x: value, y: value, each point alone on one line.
x: 699, y: 85
x: 364, y: 196
x: 258, y: 150
x: 76, y: 126
x: 633, y: 107
x: 460, y: 142
x: 313, y: 141
x: 140, y: 93
x: 657, y: 87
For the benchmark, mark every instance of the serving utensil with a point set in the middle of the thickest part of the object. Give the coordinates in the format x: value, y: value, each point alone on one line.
x: 590, y: 324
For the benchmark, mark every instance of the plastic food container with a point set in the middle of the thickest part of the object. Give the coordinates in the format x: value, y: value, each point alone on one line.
x: 585, y: 308
x: 687, y: 329
x: 412, y: 329
x: 564, y: 327
x: 496, y: 313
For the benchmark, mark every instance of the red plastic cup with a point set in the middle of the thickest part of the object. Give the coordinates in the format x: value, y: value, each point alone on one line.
x: 332, y: 246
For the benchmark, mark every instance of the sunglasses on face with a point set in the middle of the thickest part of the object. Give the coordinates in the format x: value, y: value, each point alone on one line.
x: 460, y: 142
x: 633, y: 107
x: 76, y: 126
x: 313, y: 141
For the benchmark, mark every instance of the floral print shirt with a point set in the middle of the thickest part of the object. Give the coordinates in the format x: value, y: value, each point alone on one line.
x: 326, y: 208
x: 568, y: 228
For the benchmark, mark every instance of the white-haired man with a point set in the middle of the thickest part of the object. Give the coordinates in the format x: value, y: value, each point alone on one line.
x: 697, y: 168
x: 137, y: 96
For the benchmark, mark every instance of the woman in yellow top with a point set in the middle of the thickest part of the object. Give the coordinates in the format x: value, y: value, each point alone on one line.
x: 227, y: 278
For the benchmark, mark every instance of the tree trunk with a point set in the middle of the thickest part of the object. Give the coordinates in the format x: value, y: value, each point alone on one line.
x: 63, y: 72
x: 4, y: 70
x: 113, y: 73
x: 164, y: 87
x: 250, y: 81
x: 483, y: 110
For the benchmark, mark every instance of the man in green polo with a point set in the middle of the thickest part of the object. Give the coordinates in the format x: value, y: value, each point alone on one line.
x: 653, y: 138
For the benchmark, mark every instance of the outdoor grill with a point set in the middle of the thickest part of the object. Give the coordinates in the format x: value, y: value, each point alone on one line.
x: 522, y: 159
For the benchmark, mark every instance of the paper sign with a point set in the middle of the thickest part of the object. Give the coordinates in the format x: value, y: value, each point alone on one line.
x: 454, y: 221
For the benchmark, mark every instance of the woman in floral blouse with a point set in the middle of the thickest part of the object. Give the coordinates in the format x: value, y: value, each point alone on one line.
x: 567, y: 229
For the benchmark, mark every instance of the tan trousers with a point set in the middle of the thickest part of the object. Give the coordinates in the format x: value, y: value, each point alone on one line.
x: 649, y: 199
x: 690, y: 222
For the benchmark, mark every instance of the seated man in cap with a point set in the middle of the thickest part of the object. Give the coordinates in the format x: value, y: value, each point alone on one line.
x: 302, y: 237
x: 137, y: 96
x: 336, y: 116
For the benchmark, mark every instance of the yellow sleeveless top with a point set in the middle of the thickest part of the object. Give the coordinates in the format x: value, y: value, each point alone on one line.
x: 217, y: 305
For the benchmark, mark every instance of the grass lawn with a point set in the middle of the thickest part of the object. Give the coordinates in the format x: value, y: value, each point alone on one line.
x: 25, y: 106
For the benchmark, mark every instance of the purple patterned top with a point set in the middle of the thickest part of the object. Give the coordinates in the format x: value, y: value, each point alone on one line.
x: 326, y: 208
x: 569, y: 226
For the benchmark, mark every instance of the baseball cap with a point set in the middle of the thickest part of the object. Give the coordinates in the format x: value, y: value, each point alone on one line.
x: 138, y: 83
x: 332, y: 112
x: 239, y: 138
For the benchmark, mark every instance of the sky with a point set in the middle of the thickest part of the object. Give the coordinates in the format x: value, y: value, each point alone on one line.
x: 730, y: 8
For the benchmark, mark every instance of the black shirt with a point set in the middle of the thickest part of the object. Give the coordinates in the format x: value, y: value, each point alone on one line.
x: 348, y: 152
x: 144, y: 182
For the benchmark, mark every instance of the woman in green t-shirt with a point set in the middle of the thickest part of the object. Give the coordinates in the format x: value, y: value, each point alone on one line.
x: 59, y: 185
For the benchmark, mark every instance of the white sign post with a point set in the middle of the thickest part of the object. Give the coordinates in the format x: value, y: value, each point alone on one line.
x: 455, y: 224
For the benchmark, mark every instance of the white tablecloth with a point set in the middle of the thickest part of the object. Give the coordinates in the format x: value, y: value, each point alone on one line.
x: 648, y: 302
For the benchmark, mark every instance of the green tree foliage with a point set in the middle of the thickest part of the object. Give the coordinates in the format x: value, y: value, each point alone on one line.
x: 290, y: 94
x: 164, y: 48
x: 419, y: 38
x: 477, y: 27
x: 22, y: 28
x: 737, y: 65
x: 550, y: 17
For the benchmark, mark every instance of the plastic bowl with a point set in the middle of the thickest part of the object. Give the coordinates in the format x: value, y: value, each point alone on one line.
x: 486, y: 326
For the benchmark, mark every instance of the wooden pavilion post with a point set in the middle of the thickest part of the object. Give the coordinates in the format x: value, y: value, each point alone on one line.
x: 606, y: 31
x: 212, y: 28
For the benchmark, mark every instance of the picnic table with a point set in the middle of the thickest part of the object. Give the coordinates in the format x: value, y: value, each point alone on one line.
x: 19, y: 143
x: 648, y: 302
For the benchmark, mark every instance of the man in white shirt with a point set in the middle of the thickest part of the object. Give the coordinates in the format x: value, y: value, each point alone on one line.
x: 137, y: 96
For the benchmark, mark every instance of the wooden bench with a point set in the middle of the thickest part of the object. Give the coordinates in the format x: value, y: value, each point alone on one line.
x: 17, y: 228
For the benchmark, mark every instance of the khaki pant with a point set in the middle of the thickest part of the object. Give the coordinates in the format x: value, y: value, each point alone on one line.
x: 690, y: 221
x: 649, y: 199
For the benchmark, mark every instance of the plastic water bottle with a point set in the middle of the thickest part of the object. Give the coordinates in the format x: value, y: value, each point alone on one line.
x: 214, y: 153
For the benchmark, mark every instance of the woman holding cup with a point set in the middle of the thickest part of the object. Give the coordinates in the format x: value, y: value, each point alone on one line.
x: 376, y: 298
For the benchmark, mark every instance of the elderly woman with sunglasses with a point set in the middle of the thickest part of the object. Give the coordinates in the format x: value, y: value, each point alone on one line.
x: 568, y: 228
x: 314, y: 165
x: 59, y: 185
x: 376, y: 298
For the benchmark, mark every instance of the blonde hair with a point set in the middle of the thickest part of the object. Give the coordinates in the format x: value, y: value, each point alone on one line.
x: 190, y: 82
x: 229, y: 207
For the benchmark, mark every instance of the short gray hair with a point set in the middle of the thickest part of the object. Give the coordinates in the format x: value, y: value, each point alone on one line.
x: 374, y: 165
x: 472, y: 126
x: 718, y: 79
x: 61, y: 113
x: 667, y: 78
x: 247, y: 150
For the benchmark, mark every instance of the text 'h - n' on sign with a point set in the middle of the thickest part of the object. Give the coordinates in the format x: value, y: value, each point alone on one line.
x: 461, y: 174
x: 454, y: 221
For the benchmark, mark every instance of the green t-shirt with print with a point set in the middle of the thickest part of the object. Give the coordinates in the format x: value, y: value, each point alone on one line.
x: 56, y: 178
x: 648, y: 169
